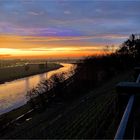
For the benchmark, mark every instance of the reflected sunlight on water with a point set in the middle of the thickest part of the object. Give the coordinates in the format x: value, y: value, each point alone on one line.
x: 12, y: 94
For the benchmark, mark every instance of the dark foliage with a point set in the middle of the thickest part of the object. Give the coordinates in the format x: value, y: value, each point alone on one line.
x: 94, y: 70
x: 45, y: 92
x: 91, y: 72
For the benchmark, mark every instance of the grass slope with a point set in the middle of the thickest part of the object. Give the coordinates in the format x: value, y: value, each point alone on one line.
x: 76, y: 119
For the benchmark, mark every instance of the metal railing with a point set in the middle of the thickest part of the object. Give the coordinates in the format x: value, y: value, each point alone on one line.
x: 123, y: 124
x: 126, y: 115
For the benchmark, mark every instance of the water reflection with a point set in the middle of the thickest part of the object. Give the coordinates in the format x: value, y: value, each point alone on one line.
x: 27, y: 83
x: 12, y: 94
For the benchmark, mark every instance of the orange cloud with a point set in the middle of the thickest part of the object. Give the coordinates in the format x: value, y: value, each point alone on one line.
x: 30, y: 46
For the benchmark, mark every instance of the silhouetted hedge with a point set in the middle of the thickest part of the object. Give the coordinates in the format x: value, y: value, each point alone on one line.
x: 90, y: 72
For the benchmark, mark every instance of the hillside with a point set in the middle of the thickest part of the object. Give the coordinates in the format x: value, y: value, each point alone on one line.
x: 80, y: 118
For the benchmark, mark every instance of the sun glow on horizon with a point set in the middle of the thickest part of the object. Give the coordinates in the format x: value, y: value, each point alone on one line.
x: 58, y: 52
x: 65, y: 28
x: 13, y: 46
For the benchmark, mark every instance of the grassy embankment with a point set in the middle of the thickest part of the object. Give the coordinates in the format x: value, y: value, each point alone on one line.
x: 74, y: 119
x: 12, y: 73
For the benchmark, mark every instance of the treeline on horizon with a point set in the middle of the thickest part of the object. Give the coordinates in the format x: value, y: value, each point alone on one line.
x: 90, y: 73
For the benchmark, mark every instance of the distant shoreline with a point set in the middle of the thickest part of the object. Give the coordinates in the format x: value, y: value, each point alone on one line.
x: 32, y: 73
x: 23, y: 109
x: 14, y: 113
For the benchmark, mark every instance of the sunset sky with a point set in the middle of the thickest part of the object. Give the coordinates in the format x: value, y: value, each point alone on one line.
x: 65, y: 28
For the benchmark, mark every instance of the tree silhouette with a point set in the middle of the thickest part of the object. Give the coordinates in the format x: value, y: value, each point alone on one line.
x: 131, y: 47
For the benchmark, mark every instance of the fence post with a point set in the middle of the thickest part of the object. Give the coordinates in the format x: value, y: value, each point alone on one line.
x: 127, y: 91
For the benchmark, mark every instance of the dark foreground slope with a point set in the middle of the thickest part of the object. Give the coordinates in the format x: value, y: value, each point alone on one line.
x: 93, y: 115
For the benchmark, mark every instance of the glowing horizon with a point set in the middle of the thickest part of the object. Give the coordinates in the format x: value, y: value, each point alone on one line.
x: 31, y: 47
x: 64, y: 28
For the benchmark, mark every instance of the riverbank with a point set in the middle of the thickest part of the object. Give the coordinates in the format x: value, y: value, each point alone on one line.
x: 17, y: 90
x: 12, y: 73
x: 63, y: 116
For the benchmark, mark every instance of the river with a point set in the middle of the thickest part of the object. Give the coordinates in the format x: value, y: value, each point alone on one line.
x: 13, y: 94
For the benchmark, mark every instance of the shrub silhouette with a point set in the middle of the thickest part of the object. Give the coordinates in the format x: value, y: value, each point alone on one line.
x: 45, y: 92
x: 90, y: 72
